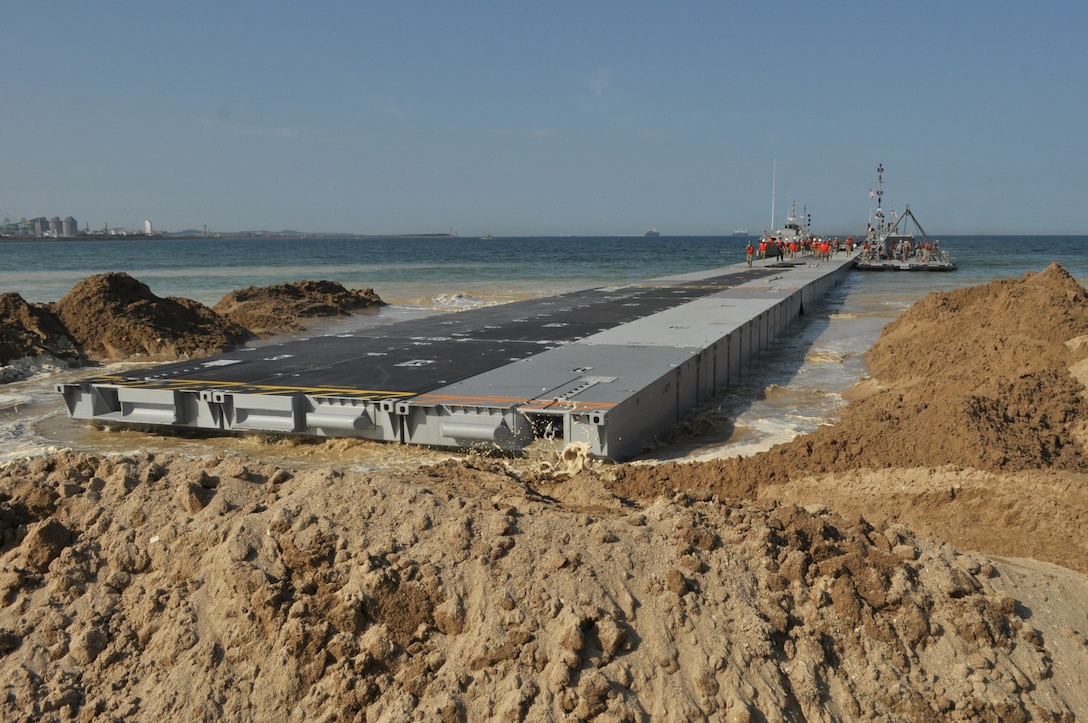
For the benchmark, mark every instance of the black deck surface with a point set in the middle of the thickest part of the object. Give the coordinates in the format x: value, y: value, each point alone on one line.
x: 419, y: 355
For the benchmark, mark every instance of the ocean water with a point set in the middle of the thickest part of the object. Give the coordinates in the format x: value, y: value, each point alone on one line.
x: 799, y: 386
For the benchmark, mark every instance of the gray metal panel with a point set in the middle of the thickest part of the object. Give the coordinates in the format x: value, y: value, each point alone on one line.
x: 263, y: 412
x: 573, y: 378
x: 698, y: 323
x: 540, y: 375
x: 582, y: 384
x: 457, y: 425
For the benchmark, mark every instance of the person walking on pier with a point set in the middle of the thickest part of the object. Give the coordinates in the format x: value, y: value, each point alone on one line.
x: 748, y: 253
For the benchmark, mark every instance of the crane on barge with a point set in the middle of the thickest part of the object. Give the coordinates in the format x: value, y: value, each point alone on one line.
x: 893, y: 247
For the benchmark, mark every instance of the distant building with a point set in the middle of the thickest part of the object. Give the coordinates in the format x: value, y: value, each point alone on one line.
x: 147, y: 227
x: 54, y: 227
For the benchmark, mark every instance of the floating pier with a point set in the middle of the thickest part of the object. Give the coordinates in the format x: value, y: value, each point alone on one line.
x: 610, y: 367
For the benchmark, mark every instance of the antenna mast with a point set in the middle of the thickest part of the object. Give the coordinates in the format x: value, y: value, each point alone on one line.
x: 879, y: 197
x: 774, y: 171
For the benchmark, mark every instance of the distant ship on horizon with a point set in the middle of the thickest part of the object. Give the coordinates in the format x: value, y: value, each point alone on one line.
x: 740, y: 232
x: 652, y: 231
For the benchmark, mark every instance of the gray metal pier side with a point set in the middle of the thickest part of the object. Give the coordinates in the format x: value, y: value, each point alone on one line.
x: 611, y: 367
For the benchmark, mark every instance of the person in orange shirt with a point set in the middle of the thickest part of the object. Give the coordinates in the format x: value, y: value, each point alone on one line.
x: 748, y: 252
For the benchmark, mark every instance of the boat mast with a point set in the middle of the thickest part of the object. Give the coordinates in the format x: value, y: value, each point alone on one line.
x: 879, y: 197
x: 774, y: 171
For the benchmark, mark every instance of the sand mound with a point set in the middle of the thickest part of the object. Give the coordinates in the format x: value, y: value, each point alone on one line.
x: 270, y: 310
x: 114, y: 316
x: 32, y: 330
x: 188, y: 589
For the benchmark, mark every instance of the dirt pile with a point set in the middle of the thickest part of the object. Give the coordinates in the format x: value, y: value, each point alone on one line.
x: 176, y: 588
x: 270, y: 310
x: 32, y: 330
x: 114, y: 316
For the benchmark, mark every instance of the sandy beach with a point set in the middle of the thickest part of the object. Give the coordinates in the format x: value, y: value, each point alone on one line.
x: 922, y: 559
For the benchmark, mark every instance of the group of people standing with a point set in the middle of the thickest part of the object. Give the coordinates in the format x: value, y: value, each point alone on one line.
x: 902, y: 251
x: 779, y: 249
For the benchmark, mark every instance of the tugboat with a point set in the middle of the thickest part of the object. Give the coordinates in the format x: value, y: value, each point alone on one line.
x: 795, y: 234
x: 892, y: 247
x: 794, y: 230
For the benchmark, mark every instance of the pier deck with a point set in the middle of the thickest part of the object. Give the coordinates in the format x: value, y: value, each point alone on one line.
x: 611, y: 367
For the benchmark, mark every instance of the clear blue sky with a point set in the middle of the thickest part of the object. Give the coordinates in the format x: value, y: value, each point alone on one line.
x: 519, y: 118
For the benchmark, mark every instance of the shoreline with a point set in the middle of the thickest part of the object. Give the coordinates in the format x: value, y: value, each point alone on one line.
x: 221, y: 234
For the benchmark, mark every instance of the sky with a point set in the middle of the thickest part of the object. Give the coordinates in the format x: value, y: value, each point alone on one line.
x: 544, y: 118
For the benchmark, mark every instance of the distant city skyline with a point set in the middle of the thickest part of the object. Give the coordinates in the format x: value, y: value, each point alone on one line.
x: 556, y: 119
